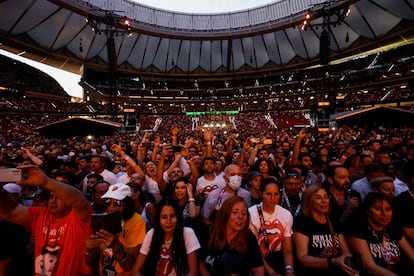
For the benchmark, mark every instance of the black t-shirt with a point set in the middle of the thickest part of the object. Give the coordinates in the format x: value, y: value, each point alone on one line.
x: 320, y: 239
x: 320, y: 242
x: 229, y: 262
x: 255, y: 200
x: 383, y: 245
x: 403, y: 206
x: 336, y: 209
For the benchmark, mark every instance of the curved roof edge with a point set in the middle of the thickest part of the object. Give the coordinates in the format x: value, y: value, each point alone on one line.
x: 154, y: 18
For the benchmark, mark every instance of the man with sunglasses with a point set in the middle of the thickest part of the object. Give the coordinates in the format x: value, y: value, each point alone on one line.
x: 292, y: 192
x: 115, y: 253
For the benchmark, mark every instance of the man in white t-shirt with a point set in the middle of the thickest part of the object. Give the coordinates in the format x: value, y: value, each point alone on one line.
x: 209, y: 181
x: 97, y: 165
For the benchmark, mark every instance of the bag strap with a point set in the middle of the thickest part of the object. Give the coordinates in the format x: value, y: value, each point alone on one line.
x: 263, y: 228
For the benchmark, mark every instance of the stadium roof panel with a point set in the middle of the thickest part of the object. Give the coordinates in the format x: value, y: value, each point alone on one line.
x: 164, y: 43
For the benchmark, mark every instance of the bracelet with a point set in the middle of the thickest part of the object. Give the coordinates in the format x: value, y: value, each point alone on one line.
x: 330, y: 263
x: 191, y: 200
x: 126, y: 157
x: 289, y: 268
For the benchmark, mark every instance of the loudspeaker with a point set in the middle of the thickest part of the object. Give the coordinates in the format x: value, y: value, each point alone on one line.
x: 324, y: 47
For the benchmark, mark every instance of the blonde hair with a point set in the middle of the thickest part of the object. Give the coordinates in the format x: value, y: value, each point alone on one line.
x: 308, y: 196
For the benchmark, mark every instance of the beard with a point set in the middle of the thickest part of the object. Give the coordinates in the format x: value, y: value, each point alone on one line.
x: 339, y: 187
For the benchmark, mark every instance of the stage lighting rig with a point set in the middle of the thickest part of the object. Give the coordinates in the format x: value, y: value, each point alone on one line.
x: 110, y: 23
x: 331, y: 15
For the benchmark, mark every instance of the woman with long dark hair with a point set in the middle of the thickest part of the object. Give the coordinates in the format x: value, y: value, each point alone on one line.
x: 169, y: 248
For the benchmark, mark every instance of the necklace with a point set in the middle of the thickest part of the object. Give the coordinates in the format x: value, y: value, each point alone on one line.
x: 286, y: 203
x: 384, y: 242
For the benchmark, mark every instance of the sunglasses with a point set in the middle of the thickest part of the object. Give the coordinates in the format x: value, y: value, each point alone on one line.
x: 293, y: 175
x: 114, y: 202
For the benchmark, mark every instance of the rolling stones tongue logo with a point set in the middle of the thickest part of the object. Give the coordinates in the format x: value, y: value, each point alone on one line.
x: 165, y: 265
x: 208, y: 189
x: 274, y: 231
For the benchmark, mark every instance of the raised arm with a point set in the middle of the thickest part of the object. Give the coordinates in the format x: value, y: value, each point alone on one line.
x: 37, y: 161
x: 117, y: 149
x: 174, y: 135
x: 68, y: 194
x: 208, y: 138
x: 155, y: 151
x: 160, y: 168
x: 296, y: 147
x: 246, y: 146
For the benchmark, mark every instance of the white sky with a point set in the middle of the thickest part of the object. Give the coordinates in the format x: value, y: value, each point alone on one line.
x: 69, y: 81
x: 205, y: 6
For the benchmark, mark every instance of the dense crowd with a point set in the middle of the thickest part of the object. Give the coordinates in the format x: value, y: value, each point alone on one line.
x: 189, y: 201
x: 252, y: 193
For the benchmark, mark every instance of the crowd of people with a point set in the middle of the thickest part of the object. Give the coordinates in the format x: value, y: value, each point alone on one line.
x: 203, y: 202
x: 254, y: 195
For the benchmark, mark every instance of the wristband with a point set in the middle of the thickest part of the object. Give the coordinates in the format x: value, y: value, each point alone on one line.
x: 126, y: 157
x: 191, y: 200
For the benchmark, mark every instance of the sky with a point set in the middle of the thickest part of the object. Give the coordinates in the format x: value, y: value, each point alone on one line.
x: 204, y: 6
x: 69, y: 81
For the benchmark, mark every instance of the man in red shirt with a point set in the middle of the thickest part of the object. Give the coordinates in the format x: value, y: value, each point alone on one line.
x: 60, y: 229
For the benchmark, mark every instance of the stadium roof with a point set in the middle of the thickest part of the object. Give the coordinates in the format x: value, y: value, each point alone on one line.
x: 165, y: 43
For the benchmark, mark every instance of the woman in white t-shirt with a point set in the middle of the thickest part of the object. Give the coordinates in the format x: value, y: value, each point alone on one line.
x: 168, y: 248
x: 272, y: 226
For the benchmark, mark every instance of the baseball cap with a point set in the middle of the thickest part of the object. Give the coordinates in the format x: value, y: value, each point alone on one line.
x: 253, y: 174
x: 12, y: 188
x: 118, y: 191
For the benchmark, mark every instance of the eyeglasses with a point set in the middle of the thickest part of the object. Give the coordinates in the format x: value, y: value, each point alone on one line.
x: 115, y: 202
x: 293, y: 175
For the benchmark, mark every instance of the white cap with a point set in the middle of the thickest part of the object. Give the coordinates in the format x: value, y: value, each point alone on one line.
x: 118, y: 191
x: 12, y: 188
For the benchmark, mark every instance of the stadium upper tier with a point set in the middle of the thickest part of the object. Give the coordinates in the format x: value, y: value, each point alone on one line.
x: 154, y: 43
